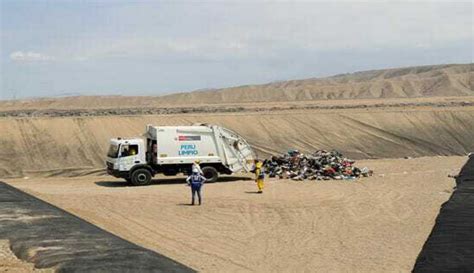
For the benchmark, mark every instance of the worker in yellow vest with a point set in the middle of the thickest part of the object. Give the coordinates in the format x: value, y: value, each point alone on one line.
x: 259, y: 175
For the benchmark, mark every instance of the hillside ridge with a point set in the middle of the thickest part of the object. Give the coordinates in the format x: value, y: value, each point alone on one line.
x: 447, y: 80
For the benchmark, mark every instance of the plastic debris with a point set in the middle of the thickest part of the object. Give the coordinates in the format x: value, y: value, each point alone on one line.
x: 320, y: 165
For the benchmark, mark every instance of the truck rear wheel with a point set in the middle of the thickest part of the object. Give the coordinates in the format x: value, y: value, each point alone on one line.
x: 141, y: 177
x: 210, y: 173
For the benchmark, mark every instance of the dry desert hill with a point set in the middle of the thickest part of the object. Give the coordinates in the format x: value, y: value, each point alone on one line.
x: 423, y: 81
x: 451, y: 80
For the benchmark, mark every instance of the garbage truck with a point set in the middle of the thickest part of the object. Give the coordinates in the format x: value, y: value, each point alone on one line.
x: 171, y: 150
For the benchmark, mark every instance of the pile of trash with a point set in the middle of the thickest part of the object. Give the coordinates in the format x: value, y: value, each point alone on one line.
x: 320, y: 165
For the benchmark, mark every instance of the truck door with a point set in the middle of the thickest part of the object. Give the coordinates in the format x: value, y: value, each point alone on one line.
x: 129, y: 156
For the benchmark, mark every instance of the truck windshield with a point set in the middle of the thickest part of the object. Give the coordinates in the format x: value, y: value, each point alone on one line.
x: 113, y: 151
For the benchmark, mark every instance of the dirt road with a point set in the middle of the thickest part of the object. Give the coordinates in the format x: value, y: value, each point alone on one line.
x: 377, y: 224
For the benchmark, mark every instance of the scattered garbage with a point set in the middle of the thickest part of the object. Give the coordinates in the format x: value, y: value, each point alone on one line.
x: 320, y: 165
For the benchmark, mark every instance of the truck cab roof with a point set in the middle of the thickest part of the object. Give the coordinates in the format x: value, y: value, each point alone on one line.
x: 118, y: 140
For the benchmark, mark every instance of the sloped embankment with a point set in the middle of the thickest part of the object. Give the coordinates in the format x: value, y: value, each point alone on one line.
x: 77, y: 146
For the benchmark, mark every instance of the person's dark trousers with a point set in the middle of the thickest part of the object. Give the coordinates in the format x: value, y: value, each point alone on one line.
x: 196, y: 188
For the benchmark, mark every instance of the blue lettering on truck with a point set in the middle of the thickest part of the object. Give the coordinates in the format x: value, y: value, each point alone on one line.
x: 187, y: 149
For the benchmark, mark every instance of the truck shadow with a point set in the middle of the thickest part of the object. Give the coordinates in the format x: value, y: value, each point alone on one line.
x: 166, y: 181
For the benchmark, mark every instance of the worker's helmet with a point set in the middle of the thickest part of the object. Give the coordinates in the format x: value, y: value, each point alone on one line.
x: 197, y: 161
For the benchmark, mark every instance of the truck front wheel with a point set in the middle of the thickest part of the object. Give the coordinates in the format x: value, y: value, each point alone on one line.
x: 141, y: 177
x: 210, y: 173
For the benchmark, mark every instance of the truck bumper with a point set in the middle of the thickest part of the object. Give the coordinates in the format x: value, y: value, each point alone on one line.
x: 117, y: 173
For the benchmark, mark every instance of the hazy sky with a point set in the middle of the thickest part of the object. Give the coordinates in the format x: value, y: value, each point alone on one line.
x: 56, y: 48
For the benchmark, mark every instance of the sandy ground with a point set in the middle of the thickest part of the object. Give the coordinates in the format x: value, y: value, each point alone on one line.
x: 10, y: 263
x: 377, y: 224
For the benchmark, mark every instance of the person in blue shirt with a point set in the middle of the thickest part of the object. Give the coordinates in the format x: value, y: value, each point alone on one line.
x: 196, y: 180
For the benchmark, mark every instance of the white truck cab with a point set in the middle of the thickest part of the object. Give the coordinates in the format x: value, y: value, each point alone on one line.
x: 123, y: 154
x: 173, y: 149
